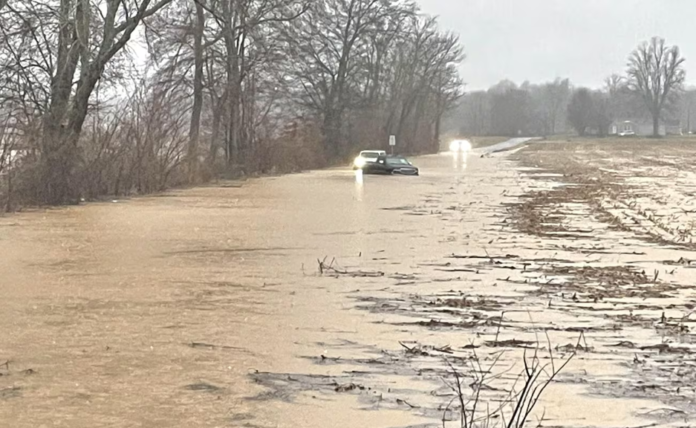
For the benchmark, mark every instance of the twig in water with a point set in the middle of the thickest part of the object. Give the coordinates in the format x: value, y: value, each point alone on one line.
x: 333, y: 268
x: 500, y: 322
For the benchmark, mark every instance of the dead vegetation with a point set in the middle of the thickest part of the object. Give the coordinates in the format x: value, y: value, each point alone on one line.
x: 589, y: 264
x: 481, y: 390
x: 618, y: 191
x: 515, y: 407
x: 594, y: 284
x: 11, y: 375
x: 443, y: 311
x: 333, y: 269
x: 546, y: 213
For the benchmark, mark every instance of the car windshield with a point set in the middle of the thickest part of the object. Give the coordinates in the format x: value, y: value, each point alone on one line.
x: 371, y: 155
x: 398, y: 161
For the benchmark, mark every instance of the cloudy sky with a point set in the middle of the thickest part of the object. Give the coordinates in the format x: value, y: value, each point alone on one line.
x: 539, y: 40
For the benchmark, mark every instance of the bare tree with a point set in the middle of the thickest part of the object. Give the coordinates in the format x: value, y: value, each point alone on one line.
x: 197, y: 109
x: 59, y: 53
x: 323, y: 44
x: 556, y: 98
x: 473, y: 114
x: 614, y: 83
x: 242, y: 40
x: 510, y: 111
x: 581, y: 111
x: 601, y: 112
x: 366, y: 69
x: 429, y: 80
x: 243, y: 77
x: 656, y: 71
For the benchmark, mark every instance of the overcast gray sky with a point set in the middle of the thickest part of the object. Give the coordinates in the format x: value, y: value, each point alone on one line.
x: 539, y: 40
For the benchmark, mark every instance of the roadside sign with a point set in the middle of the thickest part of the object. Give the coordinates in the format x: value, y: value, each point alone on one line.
x: 392, y: 140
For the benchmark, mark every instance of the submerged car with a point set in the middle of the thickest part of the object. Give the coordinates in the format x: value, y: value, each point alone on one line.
x: 391, y: 165
x: 367, y: 157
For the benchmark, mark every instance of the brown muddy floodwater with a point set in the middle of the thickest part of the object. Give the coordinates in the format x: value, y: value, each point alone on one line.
x: 206, y: 307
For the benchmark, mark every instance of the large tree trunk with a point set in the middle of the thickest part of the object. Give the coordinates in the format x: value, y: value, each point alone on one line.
x: 58, y: 165
x: 436, y: 137
x: 406, y: 111
x: 331, y: 131
x: 58, y: 156
x: 656, y: 124
x: 10, y: 191
x: 194, y: 130
x: 233, y: 117
x: 61, y: 151
x: 247, y: 116
x: 333, y: 115
x: 231, y: 36
x: 417, y: 120
x: 219, y: 105
x: 63, y: 122
x: 334, y: 109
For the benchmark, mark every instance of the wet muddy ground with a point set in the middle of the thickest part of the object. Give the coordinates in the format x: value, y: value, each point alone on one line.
x: 330, y: 299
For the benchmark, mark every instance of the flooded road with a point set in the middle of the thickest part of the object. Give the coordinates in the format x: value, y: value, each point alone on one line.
x: 300, y: 301
x: 505, y: 145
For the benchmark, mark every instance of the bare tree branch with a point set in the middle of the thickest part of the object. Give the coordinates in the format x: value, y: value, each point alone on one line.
x: 655, y: 71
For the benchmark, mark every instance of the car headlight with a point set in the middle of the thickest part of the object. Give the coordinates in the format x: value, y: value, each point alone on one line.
x: 359, y: 162
x: 460, y: 146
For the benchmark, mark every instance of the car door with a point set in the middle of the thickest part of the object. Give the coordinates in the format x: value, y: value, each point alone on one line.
x: 381, y: 165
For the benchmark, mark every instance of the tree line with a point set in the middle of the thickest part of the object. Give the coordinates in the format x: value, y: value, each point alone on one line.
x: 116, y: 97
x: 652, y: 90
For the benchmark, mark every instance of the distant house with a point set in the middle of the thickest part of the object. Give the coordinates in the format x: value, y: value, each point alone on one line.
x: 641, y: 128
x: 644, y: 128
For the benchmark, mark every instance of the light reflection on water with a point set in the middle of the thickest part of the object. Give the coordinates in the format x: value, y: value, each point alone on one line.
x: 459, y: 160
x: 359, y: 185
